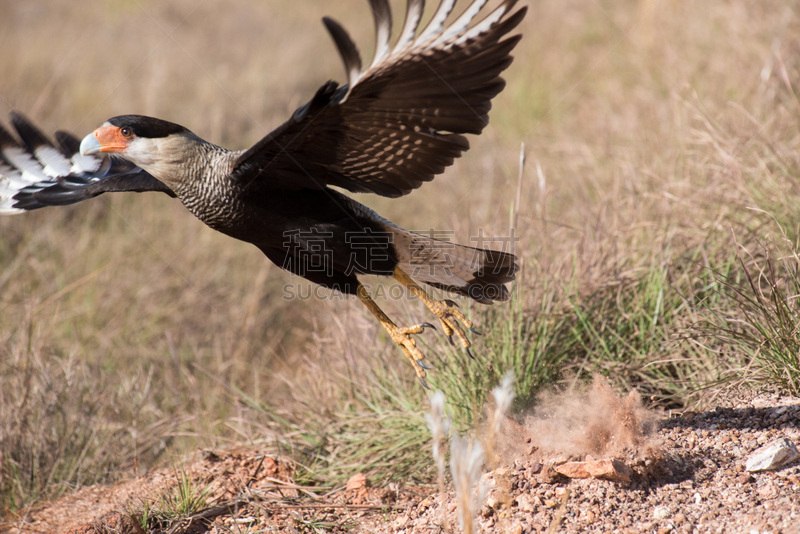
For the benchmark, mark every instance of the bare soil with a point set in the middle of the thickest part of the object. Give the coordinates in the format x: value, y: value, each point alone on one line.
x: 687, y: 475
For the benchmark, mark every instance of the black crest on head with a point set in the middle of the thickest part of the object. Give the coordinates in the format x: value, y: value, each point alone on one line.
x: 147, y: 126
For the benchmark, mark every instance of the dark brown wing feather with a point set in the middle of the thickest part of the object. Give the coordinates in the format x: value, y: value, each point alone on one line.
x: 399, y: 123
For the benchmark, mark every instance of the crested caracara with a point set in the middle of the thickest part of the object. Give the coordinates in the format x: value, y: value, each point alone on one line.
x: 394, y: 126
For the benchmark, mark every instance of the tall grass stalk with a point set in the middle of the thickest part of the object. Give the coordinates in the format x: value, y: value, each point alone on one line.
x: 503, y: 395
x: 439, y: 425
x: 466, y: 461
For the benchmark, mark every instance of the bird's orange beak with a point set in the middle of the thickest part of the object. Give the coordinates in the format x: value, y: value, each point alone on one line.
x: 104, y: 139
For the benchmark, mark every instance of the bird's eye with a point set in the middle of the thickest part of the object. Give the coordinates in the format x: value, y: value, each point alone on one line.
x: 126, y: 132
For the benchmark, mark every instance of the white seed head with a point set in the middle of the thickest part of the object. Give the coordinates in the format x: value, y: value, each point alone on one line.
x: 439, y: 425
x: 503, y: 396
x: 466, y: 460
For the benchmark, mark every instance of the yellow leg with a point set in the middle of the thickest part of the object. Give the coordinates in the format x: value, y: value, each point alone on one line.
x: 401, y: 336
x: 445, y: 310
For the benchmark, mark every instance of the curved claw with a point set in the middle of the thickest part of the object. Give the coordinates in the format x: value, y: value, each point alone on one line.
x: 451, y: 303
x: 469, y: 352
x: 450, y: 339
x: 428, y: 325
x: 472, y: 329
x: 424, y: 366
x: 424, y: 384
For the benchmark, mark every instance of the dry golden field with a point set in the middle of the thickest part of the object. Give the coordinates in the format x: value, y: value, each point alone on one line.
x: 662, y: 167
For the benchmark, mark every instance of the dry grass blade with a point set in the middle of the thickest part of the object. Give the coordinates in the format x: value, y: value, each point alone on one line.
x: 466, y: 462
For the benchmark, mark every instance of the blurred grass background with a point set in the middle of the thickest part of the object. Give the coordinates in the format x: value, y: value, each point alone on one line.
x: 658, y: 223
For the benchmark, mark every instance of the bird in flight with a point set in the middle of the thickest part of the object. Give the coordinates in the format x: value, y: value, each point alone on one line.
x: 394, y: 126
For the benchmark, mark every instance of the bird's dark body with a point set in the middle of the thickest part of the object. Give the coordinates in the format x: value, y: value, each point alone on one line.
x: 321, y: 235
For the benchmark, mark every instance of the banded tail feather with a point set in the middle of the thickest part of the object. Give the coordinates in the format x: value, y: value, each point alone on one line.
x: 480, y: 274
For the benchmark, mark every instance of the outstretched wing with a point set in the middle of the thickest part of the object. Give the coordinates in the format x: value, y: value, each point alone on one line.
x: 400, y: 122
x: 35, y: 173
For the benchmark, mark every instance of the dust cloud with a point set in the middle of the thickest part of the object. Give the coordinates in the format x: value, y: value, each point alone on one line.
x: 590, y: 420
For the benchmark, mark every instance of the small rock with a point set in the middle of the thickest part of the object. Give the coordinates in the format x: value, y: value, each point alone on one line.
x: 767, y: 491
x: 524, y: 503
x: 604, y: 469
x: 548, y: 474
x: 486, y: 511
x: 745, y: 478
x: 661, y: 512
x: 778, y: 453
x: 425, y: 504
x: 357, y: 481
x: 575, y: 469
x: 517, y: 529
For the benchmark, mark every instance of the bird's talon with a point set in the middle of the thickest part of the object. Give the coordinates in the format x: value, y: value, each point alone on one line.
x: 428, y: 325
x: 472, y: 329
x: 424, y: 384
x: 424, y: 366
x: 450, y: 339
x: 469, y: 352
x: 451, y: 303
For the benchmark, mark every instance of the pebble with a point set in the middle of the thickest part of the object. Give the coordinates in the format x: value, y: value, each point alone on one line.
x: 611, y: 469
x: 661, y: 512
x: 524, y: 503
x: 773, y: 456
